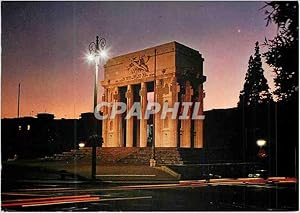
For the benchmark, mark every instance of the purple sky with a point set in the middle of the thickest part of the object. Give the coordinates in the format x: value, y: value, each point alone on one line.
x: 43, y: 46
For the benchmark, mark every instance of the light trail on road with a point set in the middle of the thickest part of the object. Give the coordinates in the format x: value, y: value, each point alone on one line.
x: 126, y: 198
x: 46, y: 189
x: 45, y: 198
x: 58, y: 200
x: 92, y: 199
x: 51, y: 201
x: 22, y: 194
x: 181, y: 184
x: 125, y: 175
x: 88, y: 194
x: 85, y: 200
x: 93, y: 196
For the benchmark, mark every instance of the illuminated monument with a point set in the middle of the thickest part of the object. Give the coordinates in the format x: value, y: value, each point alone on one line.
x: 178, y: 72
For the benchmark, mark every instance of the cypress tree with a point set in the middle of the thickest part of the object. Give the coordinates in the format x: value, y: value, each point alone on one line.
x: 256, y: 89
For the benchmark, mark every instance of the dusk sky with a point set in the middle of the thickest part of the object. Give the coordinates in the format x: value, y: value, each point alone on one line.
x: 43, y: 47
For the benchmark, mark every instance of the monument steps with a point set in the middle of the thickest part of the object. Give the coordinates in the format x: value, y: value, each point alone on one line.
x: 104, y: 154
x: 135, y: 155
x: 163, y: 156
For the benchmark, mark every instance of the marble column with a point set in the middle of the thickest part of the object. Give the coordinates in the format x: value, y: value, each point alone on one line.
x: 109, y: 123
x: 104, y: 122
x: 116, y: 122
x: 174, y: 89
x: 157, y: 120
x: 143, y: 121
x: 199, y: 122
x: 186, y: 123
x: 129, y: 122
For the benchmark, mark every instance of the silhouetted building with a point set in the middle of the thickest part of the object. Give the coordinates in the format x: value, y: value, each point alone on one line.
x: 40, y: 136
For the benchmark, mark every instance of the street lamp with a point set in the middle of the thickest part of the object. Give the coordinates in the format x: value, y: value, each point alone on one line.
x: 261, y: 153
x: 81, y: 145
x: 96, y: 53
x: 261, y: 142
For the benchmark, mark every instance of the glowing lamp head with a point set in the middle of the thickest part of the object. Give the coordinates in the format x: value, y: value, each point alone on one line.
x: 81, y: 145
x: 261, y: 142
x: 103, y: 54
x: 90, y: 57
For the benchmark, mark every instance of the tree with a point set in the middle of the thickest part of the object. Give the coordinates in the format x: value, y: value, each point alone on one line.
x: 282, y: 54
x: 256, y: 89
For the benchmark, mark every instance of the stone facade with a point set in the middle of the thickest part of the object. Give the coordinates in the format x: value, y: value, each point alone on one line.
x: 178, y: 74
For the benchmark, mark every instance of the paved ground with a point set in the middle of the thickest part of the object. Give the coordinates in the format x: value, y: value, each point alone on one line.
x: 82, y: 170
x: 40, y: 189
x: 82, y: 196
x: 121, y: 172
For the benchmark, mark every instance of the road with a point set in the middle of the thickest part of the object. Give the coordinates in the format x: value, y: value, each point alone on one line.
x: 222, y: 194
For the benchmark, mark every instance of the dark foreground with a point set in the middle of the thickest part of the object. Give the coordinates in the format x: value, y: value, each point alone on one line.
x: 33, y: 194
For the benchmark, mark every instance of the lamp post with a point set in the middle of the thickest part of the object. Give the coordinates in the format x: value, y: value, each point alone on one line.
x: 262, y: 155
x: 96, y: 52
